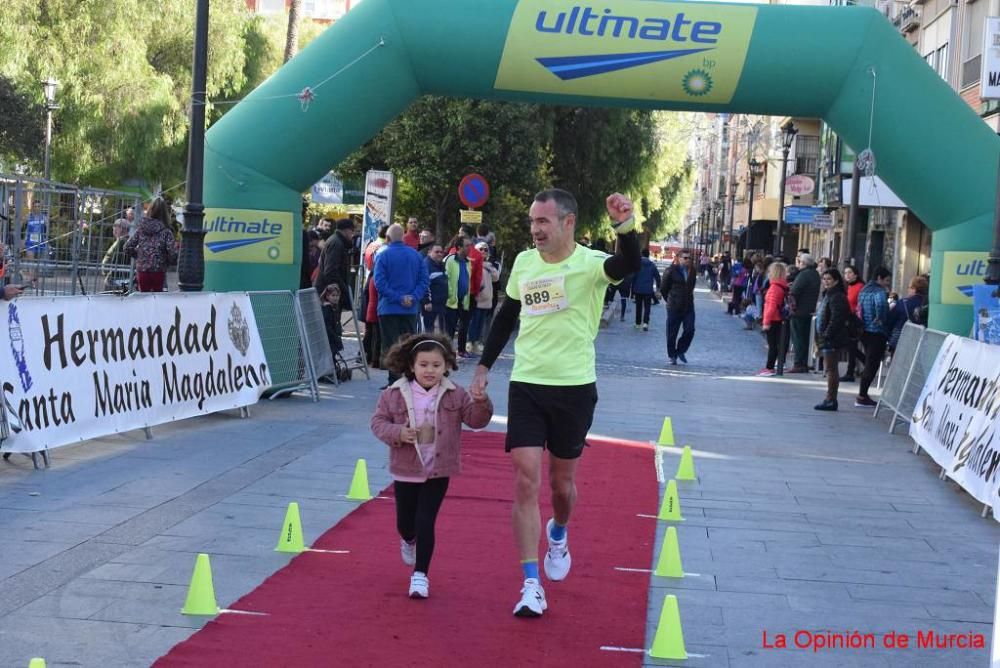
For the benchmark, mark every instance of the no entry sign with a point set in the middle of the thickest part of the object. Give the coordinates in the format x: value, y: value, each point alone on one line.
x: 474, y: 191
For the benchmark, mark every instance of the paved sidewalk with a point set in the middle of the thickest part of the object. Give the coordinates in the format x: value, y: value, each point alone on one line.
x: 799, y: 520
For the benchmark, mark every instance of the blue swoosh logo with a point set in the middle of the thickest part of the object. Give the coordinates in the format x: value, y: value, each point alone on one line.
x: 230, y: 244
x: 577, y: 67
x: 966, y: 290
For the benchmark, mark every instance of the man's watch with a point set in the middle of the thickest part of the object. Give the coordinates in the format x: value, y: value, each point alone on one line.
x: 626, y: 226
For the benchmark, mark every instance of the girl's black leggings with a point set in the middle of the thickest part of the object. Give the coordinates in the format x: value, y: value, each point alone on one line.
x: 417, y: 506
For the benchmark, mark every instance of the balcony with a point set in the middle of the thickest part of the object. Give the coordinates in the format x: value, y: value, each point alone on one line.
x: 907, y: 20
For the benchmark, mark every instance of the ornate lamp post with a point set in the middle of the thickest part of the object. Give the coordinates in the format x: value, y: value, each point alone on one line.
x: 788, y: 132
x: 49, y: 85
x: 756, y: 169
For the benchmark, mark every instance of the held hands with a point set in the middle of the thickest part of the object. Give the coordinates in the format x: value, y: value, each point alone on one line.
x: 407, y: 301
x: 477, y: 388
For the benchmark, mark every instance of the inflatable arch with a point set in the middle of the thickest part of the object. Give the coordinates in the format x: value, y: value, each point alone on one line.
x: 778, y: 60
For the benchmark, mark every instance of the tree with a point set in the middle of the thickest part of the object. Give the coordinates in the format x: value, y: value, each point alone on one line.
x: 124, y: 68
x: 22, y: 132
x: 439, y: 140
x: 292, y: 41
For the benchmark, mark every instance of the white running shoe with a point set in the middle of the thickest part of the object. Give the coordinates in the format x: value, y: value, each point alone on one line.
x: 419, y: 585
x: 532, y: 603
x: 408, y: 551
x: 557, y: 560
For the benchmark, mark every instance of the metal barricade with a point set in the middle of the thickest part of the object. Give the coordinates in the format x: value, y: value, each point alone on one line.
x: 282, y: 336
x: 318, y: 350
x: 66, y: 240
x: 915, y: 353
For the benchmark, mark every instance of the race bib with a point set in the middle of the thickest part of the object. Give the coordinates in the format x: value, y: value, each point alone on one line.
x: 543, y: 296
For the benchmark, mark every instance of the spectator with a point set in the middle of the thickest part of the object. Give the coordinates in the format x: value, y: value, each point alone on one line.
x: 412, y: 236
x: 114, y: 266
x: 459, y: 269
x: 426, y: 242
x: 401, y: 280
x: 483, y: 306
x: 153, y: 248
x: 644, y: 286
x: 873, y: 309
x: 335, y: 262
x: 773, y: 320
x: 805, y: 295
x: 372, y: 341
x: 832, y: 333
x: 854, y: 285
x: 436, y: 299
x: 907, y: 310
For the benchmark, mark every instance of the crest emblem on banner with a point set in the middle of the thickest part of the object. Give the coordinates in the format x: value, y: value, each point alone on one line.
x: 17, y: 346
x: 239, y: 330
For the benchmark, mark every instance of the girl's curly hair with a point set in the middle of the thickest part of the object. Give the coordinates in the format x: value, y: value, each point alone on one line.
x: 399, y: 360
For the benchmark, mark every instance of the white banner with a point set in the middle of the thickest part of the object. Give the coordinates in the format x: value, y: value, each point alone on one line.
x: 75, y: 368
x: 378, y: 204
x: 989, y: 77
x: 956, y: 419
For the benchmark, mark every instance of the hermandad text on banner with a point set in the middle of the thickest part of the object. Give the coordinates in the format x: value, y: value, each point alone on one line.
x: 75, y: 368
x: 957, y: 417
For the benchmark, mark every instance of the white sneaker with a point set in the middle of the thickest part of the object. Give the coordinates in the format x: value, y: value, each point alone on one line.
x: 557, y: 560
x: 532, y: 603
x: 419, y: 585
x: 408, y: 551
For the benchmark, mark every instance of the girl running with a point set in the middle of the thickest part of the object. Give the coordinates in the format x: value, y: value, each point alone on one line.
x: 420, y: 417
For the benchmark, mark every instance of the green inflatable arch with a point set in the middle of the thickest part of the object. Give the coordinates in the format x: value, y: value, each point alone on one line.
x: 779, y: 60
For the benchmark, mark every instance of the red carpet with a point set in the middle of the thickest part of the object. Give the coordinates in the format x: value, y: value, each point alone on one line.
x: 352, y: 610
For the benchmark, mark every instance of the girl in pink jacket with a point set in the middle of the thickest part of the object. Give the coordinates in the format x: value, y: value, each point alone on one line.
x: 420, y: 417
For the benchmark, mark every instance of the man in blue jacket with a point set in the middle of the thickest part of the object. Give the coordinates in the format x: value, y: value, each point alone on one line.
x: 873, y: 309
x: 644, y: 285
x: 401, y: 279
x: 437, y: 296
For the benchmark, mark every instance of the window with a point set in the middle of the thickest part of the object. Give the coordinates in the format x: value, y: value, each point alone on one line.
x: 972, y: 48
x: 807, y: 155
x: 270, y: 6
x: 941, y: 58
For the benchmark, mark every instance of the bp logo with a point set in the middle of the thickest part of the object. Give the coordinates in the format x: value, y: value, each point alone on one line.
x: 273, y: 252
x: 697, y: 83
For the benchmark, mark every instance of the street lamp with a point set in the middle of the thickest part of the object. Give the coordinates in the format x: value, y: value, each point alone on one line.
x: 191, y: 264
x: 756, y: 169
x: 788, y: 131
x: 49, y: 85
x: 732, y: 210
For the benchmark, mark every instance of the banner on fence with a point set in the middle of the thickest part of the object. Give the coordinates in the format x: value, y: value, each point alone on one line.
x: 76, y: 368
x: 956, y: 418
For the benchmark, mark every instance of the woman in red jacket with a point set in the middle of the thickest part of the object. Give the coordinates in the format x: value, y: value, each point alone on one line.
x: 853, y: 285
x: 774, y: 315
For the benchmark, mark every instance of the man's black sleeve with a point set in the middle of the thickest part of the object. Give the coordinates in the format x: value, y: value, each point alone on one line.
x: 626, y: 259
x: 503, y: 325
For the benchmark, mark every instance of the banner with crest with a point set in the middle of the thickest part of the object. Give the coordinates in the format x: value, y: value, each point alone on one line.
x: 75, y: 368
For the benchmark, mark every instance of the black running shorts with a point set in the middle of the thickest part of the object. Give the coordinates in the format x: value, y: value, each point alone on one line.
x: 550, y: 416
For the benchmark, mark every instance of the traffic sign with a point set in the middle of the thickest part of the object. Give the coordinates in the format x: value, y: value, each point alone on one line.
x: 470, y: 217
x: 474, y: 191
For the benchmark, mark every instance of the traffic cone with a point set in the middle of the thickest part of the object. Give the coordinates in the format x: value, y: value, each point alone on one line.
x: 201, y: 592
x: 670, y: 509
x: 669, y: 564
x: 290, y: 539
x: 37, y: 663
x: 685, y: 470
x: 359, y: 485
x: 668, y: 643
x: 666, y: 433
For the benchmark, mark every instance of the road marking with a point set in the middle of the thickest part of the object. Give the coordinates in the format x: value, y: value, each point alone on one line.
x: 608, y: 648
x: 310, y: 549
x: 646, y: 570
x: 659, y: 465
x: 243, y: 612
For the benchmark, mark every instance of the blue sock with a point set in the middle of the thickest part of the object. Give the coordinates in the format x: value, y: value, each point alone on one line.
x: 530, y: 569
x: 558, y: 531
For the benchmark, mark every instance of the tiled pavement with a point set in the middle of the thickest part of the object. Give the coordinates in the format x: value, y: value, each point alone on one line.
x: 799, y: 520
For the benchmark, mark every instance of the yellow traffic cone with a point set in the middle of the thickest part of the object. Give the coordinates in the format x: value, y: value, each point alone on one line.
x: 201, y: 592
x: 290, y: 539
x: 37, y: 663
x: 359, y: 485
x: 670, y: 509
x: 669, y: 564
x: 666, y: 433
x: 685, y: 469
x: 668, y: 643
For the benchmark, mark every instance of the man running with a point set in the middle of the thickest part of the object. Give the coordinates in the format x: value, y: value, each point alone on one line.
x: 557, y: 290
